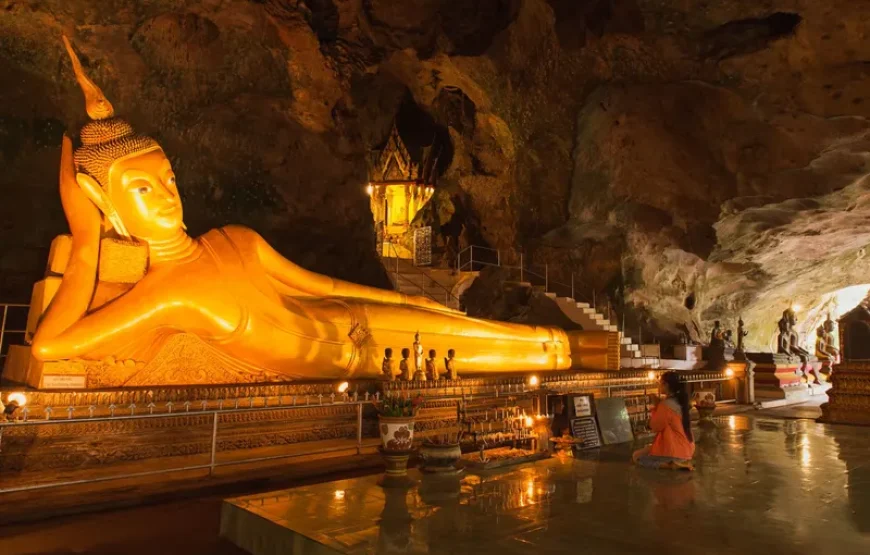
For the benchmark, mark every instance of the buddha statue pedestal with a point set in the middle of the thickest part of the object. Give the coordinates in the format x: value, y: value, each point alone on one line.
x: 780, y: 379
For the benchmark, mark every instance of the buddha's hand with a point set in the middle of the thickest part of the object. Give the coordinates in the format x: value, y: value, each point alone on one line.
x: 82, y: 215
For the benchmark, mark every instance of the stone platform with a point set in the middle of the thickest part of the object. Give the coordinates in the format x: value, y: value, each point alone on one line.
x: 769, y: 472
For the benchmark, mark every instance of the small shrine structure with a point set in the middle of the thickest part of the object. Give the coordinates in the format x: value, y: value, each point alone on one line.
x: 401, y: 182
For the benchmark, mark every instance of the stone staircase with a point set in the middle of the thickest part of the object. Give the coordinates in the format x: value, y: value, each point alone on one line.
x: 589, y: 318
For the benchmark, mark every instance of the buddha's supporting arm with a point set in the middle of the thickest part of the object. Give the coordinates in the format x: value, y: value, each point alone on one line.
x: 313, y: 284
x: 71, y: 302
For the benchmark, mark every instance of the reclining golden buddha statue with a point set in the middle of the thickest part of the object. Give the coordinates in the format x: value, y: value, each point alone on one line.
x: 141, y: 303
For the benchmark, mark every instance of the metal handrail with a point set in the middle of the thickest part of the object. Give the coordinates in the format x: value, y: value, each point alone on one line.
x: 524, y: 271
x: 448, y: 295
x: 213, y: 462
x: 3, y: 319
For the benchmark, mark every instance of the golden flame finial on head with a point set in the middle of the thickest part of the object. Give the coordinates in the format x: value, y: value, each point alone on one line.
x: 107, y: 138
x: 96, y: 104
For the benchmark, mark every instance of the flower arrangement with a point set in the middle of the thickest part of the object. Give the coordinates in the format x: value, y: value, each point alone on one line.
x: 396, y: 407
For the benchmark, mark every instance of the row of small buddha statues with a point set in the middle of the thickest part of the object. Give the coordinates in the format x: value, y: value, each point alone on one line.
x: 418, y: 369
x: 788, y: 339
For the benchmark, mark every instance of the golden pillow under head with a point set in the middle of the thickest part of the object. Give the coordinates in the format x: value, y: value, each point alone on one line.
x: 122, y: 261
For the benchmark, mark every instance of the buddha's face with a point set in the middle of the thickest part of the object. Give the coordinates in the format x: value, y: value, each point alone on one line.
x: 142, y: 191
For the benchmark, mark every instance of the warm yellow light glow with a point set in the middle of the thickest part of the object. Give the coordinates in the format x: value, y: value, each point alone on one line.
x: 651, y: 376
x: 732, y: 422
x: 533, y: 381
x: 529, y: 421
x: 342, y: 387
x: 806, y: 458
x: 796, y: 307
x: 339, y: 494
x: 729, y: 372
x: 296, y: 325
x: 18, y: 397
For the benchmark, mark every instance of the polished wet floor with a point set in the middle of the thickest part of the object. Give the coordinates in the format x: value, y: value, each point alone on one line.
x: 760, y: 486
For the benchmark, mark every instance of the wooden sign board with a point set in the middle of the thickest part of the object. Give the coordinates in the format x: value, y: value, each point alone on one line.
x: 585, y: 432
x: 614, y: 421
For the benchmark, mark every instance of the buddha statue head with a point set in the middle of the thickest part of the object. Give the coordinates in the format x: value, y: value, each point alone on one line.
x: 126, y: 175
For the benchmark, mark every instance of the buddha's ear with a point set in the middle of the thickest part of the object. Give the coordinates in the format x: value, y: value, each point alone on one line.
x: 98, y: 196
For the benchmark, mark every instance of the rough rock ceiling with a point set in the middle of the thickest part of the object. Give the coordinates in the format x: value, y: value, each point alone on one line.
x: 702, y: 153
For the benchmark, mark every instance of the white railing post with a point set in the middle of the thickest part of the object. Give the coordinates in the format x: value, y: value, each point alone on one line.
x: 359, y: 419
x: 213, y: 444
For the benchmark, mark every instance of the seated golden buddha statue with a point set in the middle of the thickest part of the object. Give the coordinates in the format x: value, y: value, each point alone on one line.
x: 224, y: 307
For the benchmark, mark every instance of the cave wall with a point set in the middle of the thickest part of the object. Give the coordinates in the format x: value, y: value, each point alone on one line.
x: 699, y: 160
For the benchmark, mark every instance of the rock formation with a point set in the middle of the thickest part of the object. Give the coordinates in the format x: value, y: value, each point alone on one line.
x: 704, y: 159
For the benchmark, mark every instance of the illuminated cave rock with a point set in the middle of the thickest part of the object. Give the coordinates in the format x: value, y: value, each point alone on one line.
x: 700, y: 161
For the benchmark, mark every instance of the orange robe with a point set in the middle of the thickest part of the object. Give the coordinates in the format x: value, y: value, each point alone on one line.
x: 671, y: 441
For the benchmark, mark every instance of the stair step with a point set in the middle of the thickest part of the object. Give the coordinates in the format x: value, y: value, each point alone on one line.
x: 550, y: 294
x: 583, y: 305
x: 626, y: 340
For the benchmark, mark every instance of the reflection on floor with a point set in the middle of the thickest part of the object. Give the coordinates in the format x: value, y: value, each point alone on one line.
x: 761, y: 486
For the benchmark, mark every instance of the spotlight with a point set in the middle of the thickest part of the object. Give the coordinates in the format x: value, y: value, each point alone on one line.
x: 339, y: 494
x: 729, y: 372
x: 651, y: 375
x: 342, y: 387
x: 14, y: 401
x: 529, y: 422
x: 370, y: 190
x: 533, y: 381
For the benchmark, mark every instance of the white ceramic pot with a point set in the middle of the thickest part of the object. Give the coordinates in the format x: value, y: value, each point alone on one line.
x: 397, y: 432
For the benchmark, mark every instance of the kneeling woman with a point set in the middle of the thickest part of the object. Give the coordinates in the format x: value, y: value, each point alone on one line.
x: 674, y: 445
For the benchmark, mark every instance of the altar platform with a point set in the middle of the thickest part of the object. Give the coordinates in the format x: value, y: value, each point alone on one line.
x: 761, y: 485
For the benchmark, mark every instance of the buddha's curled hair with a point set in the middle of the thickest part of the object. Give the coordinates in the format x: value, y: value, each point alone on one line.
x: 106, y: 138
x: 103, y: 142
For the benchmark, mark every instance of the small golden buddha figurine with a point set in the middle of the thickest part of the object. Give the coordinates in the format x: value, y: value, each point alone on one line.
x: 224, y: 307
x: 404, y: 365
x: 388, y: 367
x: 431, y: 371
x: 450, y: 365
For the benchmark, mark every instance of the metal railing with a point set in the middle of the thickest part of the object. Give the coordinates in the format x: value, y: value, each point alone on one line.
x: 150, y: 412
x: 475, y: 257
x: 6, y: 333
x: 449, y: 299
